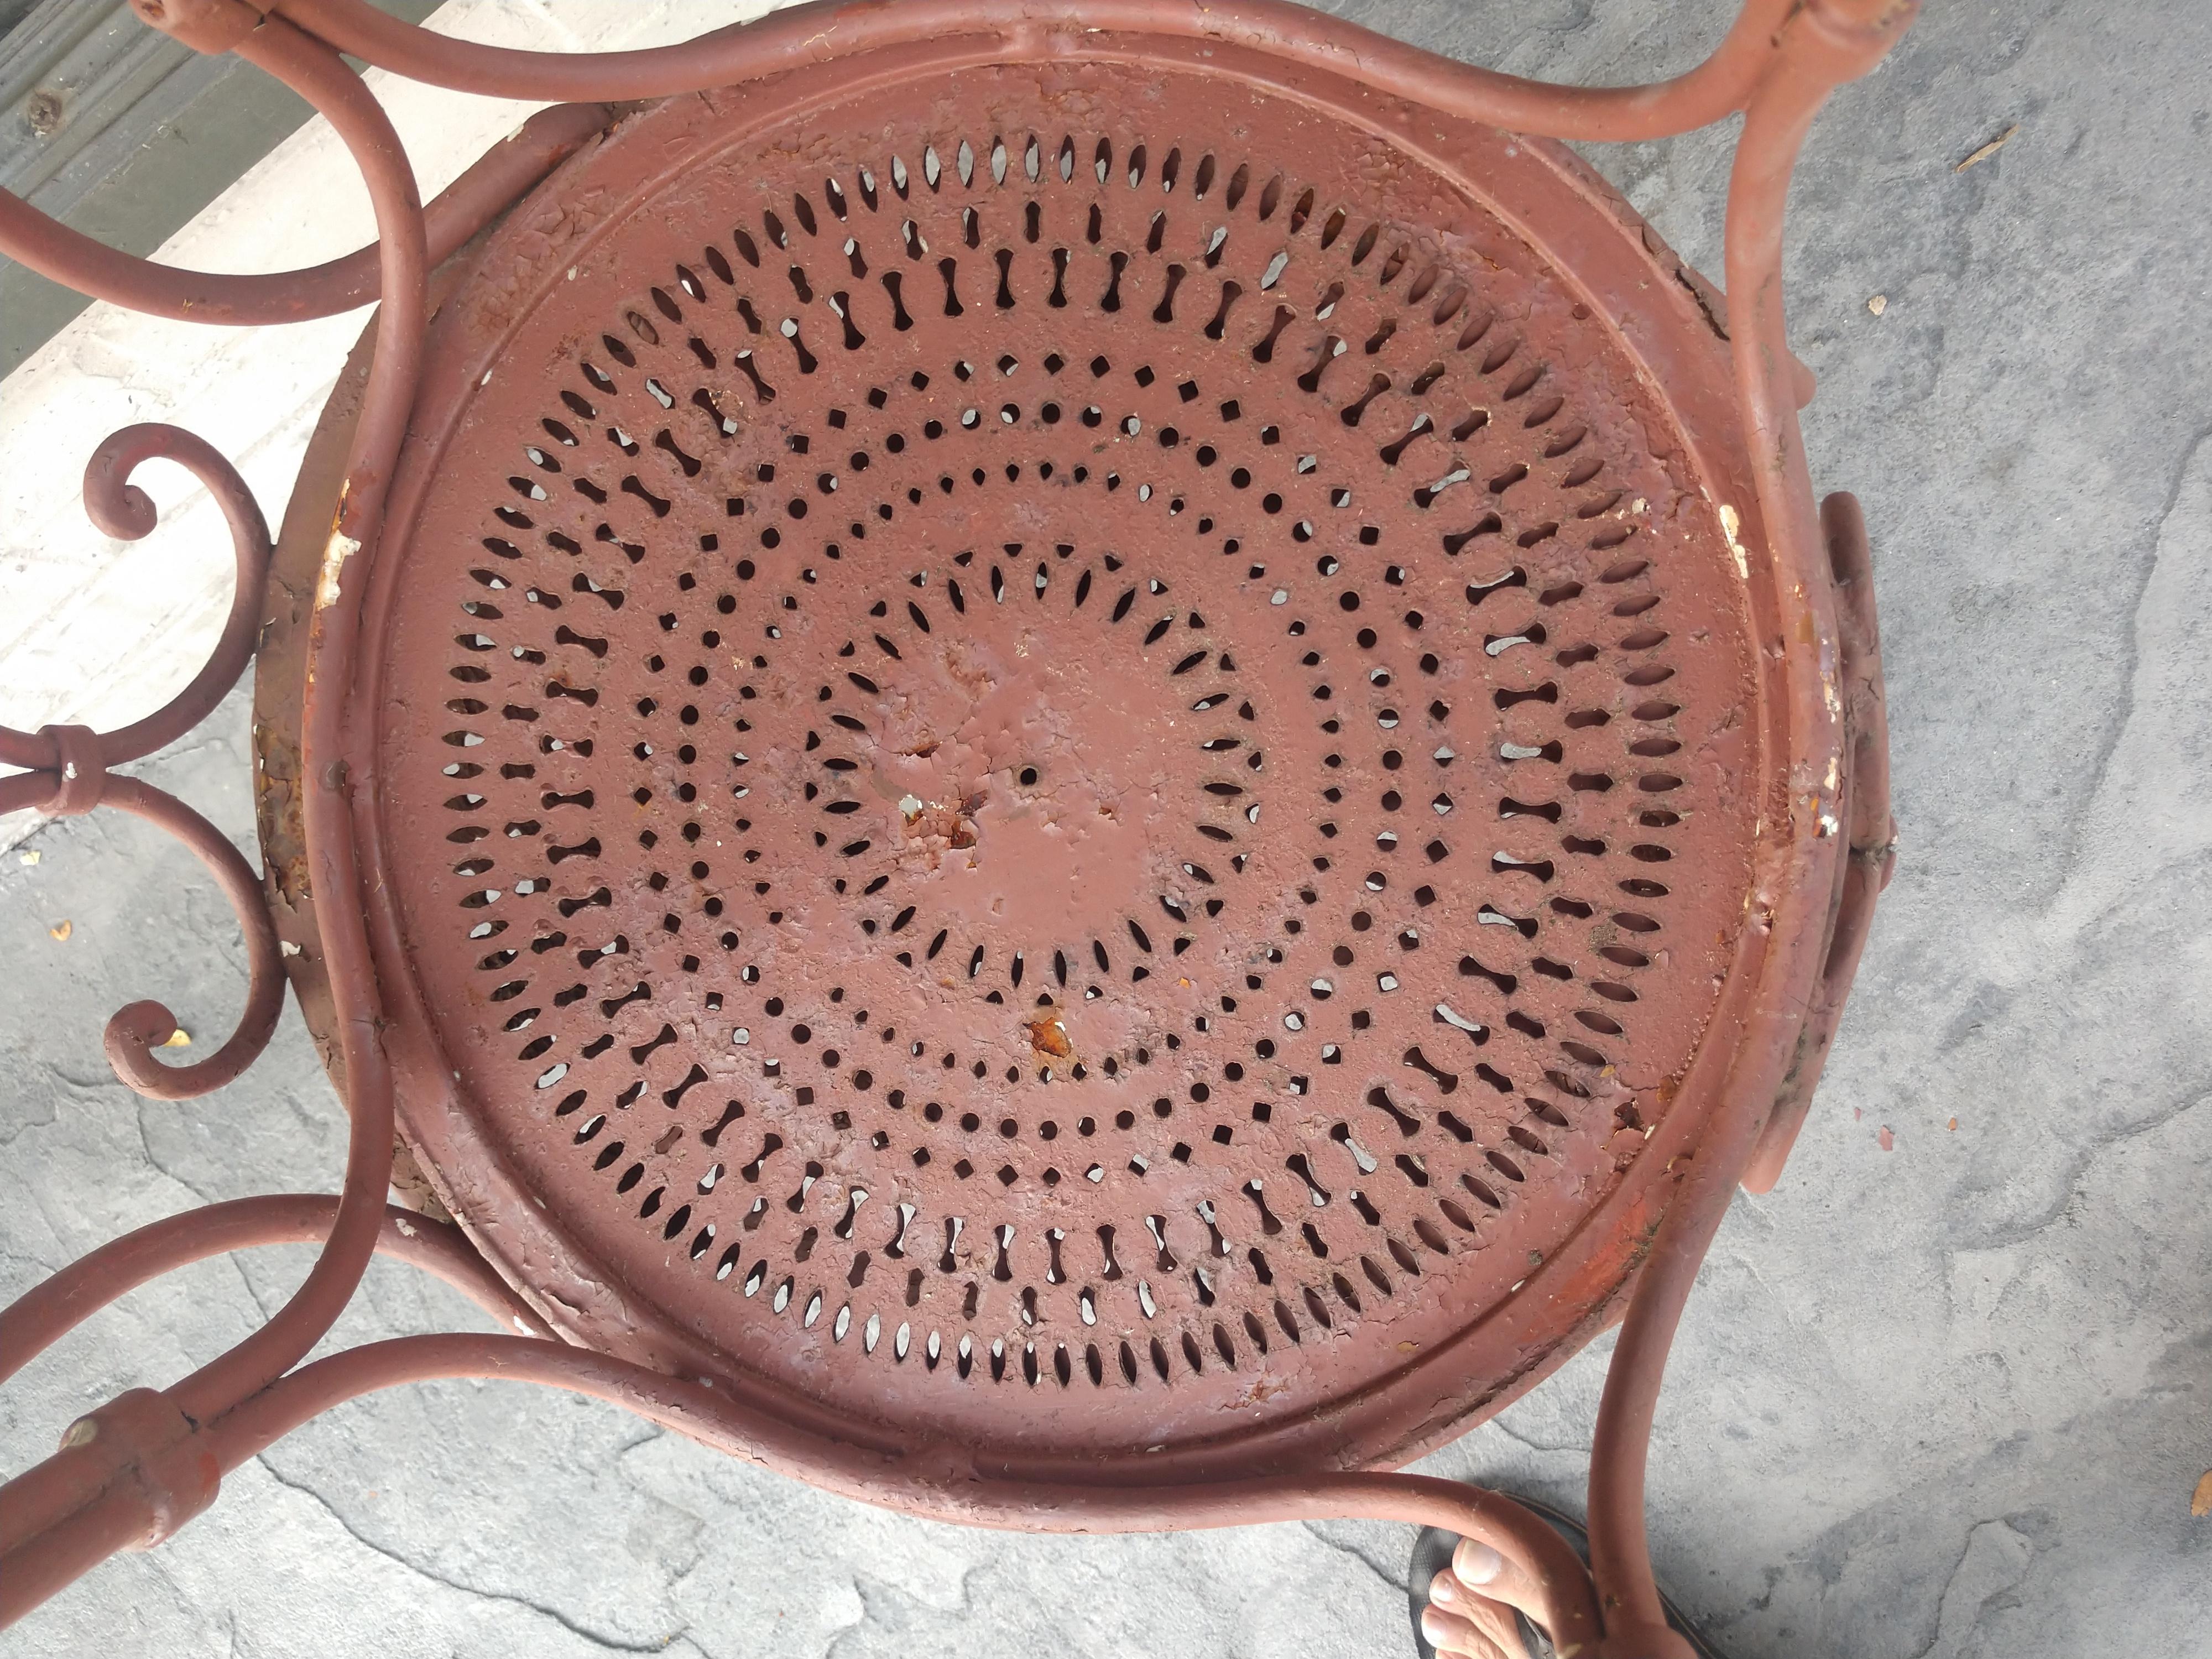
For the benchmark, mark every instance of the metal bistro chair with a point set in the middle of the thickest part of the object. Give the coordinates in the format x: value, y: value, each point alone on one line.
x: 1076, y: 766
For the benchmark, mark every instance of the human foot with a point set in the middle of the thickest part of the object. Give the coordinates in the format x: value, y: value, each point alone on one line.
x: 1476, y: 1607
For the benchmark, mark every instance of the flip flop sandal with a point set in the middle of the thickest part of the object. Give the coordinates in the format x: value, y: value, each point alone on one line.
x: 1432, y: 1554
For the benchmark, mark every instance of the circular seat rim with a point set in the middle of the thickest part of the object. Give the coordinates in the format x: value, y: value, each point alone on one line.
x: 1399, y: 1418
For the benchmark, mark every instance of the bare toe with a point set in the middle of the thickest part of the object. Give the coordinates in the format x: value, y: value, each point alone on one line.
x: 1491, y: 1588
x: 1450, y: 1634
x: 1477, y: 1565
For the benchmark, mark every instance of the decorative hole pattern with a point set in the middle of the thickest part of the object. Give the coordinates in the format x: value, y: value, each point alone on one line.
x: 1057, y: 761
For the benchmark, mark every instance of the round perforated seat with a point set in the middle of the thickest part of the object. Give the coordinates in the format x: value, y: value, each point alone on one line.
x: 1075, y: 770
x: 1062, y: 765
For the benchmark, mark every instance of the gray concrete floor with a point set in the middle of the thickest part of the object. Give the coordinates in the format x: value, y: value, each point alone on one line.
x: 1943, y: 1394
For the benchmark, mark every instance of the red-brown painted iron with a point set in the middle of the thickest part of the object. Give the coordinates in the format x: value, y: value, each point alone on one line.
x: 1273, y: 697
x: 1066, y: 779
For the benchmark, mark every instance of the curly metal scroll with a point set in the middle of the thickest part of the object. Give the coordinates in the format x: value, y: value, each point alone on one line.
x: 67, y: 766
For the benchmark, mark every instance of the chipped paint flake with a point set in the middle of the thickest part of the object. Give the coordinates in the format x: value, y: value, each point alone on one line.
x: 336, y: 552
x: 1731, y: 522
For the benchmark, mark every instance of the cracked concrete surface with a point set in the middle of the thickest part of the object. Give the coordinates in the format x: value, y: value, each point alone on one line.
x: 1941, y: 1401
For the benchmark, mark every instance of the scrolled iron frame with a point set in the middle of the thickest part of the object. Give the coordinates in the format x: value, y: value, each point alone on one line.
x: 131, y: 1472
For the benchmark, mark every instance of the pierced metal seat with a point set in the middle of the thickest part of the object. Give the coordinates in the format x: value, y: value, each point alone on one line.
x: 1071, y: 767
